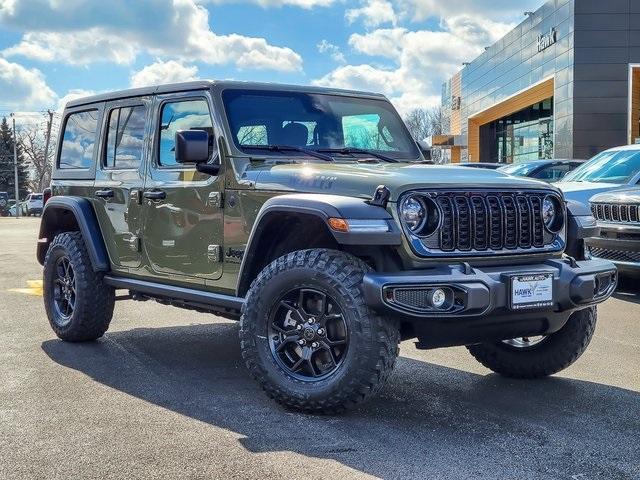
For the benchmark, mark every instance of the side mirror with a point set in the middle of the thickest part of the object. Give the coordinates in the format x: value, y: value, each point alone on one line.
x: 192, y: 146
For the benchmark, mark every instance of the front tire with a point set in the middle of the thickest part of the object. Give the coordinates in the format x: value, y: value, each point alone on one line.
x: 78, y: 303
x: 538, y: 357
x: 309, y: 339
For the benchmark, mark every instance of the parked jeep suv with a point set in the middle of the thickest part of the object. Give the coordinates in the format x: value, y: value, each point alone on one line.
x: 309, y: 215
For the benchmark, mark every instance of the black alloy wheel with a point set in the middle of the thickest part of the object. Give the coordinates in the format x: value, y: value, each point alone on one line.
x: 308, y: 334
x: 64, y: 290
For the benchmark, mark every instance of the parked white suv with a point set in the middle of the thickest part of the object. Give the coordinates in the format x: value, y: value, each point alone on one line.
x: 34, y: 204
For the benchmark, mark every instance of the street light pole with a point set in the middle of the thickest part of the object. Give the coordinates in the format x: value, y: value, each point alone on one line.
x: 15, y: 166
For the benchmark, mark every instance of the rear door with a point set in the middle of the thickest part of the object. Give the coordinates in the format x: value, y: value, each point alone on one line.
x: 120, y: 178
x: 182, y: 208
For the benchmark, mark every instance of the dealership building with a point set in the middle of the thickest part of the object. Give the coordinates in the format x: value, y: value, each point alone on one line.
x: 565, y: 83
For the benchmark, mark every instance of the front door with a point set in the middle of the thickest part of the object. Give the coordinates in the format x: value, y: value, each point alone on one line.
x: 182, y: 208
x: 120, y: 178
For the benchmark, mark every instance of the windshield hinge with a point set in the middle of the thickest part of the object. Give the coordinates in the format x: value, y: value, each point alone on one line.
x: 215, y: 199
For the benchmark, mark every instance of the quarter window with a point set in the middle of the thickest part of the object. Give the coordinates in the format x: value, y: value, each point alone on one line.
x: 125, y: 137
x: 78, y: 140
x: 365, y: 131
x: 182, y: 115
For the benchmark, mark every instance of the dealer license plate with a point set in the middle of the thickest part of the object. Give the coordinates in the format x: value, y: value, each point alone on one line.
x: 531, y: 291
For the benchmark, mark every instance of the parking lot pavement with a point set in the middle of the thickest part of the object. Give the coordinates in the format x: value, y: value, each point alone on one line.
x: 165, y: 395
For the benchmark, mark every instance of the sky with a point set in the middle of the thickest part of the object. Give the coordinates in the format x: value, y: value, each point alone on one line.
x: 54, y: 50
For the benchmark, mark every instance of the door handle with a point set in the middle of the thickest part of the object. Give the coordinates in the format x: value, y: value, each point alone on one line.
x: 104, y: 193
x: 155, y: 195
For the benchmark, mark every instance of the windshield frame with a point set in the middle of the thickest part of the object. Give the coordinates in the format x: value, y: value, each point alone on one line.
x: 631, y: 179
x: 406, y: 156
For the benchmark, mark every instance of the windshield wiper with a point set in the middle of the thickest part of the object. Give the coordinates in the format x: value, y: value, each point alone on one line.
x: 352, y: 150
x: 289, y: 148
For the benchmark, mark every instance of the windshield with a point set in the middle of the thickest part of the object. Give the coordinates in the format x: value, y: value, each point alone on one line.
x: 312, y: 121
x: 608, y: 167
x: 519, y: 169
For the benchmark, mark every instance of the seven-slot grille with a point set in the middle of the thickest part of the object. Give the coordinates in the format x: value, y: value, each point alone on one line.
x: 616, y: 212
x: 485, y: 221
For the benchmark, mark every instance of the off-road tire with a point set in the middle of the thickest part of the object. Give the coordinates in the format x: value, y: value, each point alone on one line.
x: 94, y: 299
x: 557, y: 352
x: 373, y: 342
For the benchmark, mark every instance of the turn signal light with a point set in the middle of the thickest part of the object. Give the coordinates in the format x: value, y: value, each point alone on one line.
x: 339, y: 224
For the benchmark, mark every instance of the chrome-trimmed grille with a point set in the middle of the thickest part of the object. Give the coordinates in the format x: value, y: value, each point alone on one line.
x: 487, y: 222
x: 616, y: 212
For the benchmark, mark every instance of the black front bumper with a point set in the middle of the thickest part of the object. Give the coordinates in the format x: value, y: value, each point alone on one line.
x: 481, y: 308
x: 623, y: 252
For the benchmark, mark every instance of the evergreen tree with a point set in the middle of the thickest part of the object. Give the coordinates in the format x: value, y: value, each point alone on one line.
x: 6, y: 163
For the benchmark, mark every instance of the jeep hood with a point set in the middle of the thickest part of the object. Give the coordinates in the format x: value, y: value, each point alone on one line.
x: 361, y: 179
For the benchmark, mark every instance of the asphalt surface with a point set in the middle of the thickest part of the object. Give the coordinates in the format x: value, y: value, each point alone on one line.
x: 164, y: 394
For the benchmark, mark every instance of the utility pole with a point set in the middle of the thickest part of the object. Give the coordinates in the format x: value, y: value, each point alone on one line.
x: 47, y: 140
x: 15, y: 165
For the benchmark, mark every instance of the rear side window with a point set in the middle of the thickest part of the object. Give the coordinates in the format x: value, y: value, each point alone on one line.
x: 182, y: 115
x: 79, y: 140
x: 125, y: 137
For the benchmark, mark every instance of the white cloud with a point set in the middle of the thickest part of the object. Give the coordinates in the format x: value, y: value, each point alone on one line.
x: 373, y: 13
x: 23, y: 88
x: 83, y: 31
x: 164, y: 72
x: 419, y: 60
x: 508, y: 10
x: 332, y: 50
x: 306, y: 4
x: 73, y: 95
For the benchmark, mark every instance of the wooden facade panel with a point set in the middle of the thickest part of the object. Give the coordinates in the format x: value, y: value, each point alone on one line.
x: 635, y: 105
x: 514, y: 104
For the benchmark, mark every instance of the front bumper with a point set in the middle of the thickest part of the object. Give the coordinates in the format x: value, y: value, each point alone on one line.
x: 623, y: 252
x: 481, y: 309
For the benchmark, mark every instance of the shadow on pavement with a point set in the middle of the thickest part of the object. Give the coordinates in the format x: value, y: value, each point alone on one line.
x: 628, y: 289
x: 430, y: 421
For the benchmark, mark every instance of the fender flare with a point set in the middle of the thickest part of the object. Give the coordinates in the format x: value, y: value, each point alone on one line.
x: 322, y: 206
x: 85, y: 217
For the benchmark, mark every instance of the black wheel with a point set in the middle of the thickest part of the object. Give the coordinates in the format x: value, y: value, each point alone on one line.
x: 540, y: 356
x: 308, y: 337
x: 78, y: 303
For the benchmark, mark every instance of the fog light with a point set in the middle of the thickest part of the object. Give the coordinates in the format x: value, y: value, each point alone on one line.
x: 437, y: 298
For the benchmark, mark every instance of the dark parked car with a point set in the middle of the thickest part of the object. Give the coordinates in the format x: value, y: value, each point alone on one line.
x: 618, y: 216
x: 4, y: 204
x: 547, y: 170
x: 486, y: 165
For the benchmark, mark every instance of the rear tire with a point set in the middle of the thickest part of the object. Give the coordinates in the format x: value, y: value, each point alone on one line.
x: 321, y: 291
x: 78, y: 303
x: 543, y: 358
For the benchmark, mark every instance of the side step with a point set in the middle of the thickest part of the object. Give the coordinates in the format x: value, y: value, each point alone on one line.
x: 182, y: 296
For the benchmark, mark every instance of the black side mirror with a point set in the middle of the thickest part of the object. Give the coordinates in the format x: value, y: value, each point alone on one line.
x: 192, y: 146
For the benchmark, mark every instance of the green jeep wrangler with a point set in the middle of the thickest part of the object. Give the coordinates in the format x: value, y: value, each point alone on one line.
x: 311, y: 216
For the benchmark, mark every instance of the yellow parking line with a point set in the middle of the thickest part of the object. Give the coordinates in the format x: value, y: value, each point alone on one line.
x: 34, y: 287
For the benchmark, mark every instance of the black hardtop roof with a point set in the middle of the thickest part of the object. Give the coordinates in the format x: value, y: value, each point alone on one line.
x: 204, y: 84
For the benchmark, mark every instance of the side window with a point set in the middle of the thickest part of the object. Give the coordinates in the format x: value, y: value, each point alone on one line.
x: 182, y: 115
x: 78, y: 140
x: 125, y: 137
x: 553, y: 173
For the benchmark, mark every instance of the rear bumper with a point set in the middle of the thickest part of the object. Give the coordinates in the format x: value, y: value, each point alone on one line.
x: 481, y: 309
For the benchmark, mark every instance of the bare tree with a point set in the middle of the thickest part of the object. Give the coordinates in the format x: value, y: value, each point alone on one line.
x: 32, y: 140
x: 418, y: 122
x: 425, y: 122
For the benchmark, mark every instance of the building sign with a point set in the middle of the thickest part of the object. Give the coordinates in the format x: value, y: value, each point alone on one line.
x: 547, y: 39
x: 456, y: 102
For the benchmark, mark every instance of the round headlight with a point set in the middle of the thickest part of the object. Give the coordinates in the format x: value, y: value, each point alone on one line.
x: 413, y: 213
x: 552, y: 213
